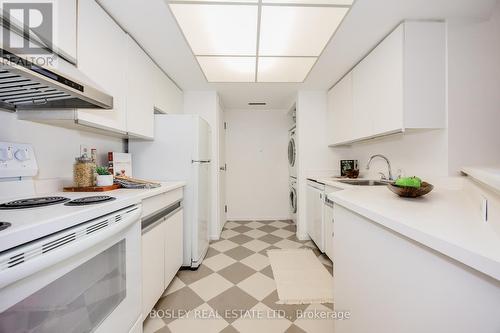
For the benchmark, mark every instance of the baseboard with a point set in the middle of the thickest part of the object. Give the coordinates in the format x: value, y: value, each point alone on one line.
x: 303, y: 237
x: 214, y: 237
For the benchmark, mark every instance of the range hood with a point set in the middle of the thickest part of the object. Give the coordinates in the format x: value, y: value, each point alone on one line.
x: 27, y: 86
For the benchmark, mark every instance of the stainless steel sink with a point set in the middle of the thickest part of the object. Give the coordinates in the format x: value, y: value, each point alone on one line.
x: 363, y: 182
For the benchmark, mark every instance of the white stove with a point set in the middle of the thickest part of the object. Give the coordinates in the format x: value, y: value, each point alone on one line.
x: 69, y: 262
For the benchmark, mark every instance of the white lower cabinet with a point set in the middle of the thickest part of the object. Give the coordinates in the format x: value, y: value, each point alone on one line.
x: 162, y: 254
x: 173, y: 246
x: 390, y: 283
x: 314, y: 210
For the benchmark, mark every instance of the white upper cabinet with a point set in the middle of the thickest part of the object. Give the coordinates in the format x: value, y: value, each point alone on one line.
x: 400, y: 85
x: 168, y: 97
x: 102, y: 52
x: 340, y: 111
x: 65, y: 30
x: 141, y: 73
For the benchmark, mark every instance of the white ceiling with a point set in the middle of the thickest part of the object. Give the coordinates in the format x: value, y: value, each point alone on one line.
x: 153, y: 26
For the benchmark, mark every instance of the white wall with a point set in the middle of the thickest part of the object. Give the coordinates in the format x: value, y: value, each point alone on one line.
x: 474, y: 92
x: 314, y: 155
x: 55, y: 147
x: 256, y: 153
x: 206, y: 105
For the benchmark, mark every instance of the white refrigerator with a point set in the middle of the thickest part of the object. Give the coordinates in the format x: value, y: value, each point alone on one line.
x: 181, y: 151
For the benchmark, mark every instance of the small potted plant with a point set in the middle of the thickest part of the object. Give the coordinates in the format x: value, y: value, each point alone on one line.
x: 104, y: 178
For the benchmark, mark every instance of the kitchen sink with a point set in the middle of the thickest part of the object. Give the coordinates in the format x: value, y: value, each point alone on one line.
x: 363, y: 182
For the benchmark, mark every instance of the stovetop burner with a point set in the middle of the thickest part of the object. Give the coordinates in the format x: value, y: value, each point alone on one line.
x: 33, y: 202
x: 90, y: 200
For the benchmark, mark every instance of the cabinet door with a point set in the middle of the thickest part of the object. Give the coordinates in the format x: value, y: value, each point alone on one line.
x: 140, y: 83
x: 168, y: 97
x: 378, y: 88
x: 65, y: 29
x: 153, y: 263
x: 102, y: 48
x: 340, y: 111
x: 173, y: 246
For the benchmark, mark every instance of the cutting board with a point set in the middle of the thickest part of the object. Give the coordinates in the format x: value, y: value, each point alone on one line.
x: 92, y: 188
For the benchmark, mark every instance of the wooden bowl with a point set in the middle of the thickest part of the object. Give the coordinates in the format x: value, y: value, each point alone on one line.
x: 411, y: 192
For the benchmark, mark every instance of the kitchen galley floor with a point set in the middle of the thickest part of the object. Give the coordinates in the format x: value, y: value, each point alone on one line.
x: 234, y: 289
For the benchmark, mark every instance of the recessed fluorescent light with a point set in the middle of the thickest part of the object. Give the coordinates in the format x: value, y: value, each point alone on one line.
x: 281, y: 69
x: 218, y: 29
x: 228, y: 69
x: 312, y: 2
x: 297, y: 31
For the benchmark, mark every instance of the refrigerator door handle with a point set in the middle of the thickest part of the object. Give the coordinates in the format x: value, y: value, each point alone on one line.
x: 200, y: 161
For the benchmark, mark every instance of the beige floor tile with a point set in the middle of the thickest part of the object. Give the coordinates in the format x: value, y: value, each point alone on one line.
x: 224, y: 245
x: 228, y: 234
x: 254, y: 224
x: 255, y: 233
x: 210, y: 286
x: 258, y: 285
x: 256, y: 261
x: 175, y: 285
x: 256, y: 245
x: 288, y: 244
x: 252, y: 324
x: 231, y: 225
x: 202, y: 319
x: 218, y: 262
x: 316, y: 325
x: 279, y: 224
x: 151, y: 325
x: 282, y: 233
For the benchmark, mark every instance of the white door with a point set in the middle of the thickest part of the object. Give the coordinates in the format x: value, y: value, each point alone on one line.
x: 202, y: 150
x: 222, y: 173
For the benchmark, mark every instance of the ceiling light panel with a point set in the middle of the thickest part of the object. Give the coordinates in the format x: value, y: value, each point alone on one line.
x: 218, y: 29
x: 218, y: 1
x: 297, y: 31
x: 228, y: 69
x: 282, y: 69
x: 312, y: 2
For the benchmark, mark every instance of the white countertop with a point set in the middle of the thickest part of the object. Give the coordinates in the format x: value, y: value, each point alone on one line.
x: 445, y: 220
x: 33, y: 223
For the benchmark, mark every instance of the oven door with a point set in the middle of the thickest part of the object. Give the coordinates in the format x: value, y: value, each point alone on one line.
x: 83, y: 279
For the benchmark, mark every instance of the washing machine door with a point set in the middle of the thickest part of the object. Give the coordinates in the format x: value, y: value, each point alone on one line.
x: 293, y: 200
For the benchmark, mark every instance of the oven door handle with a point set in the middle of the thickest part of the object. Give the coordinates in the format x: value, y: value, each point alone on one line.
x: 22, y: 270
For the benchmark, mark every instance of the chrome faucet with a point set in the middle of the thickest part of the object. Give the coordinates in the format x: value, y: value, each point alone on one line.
x: 388, y: 166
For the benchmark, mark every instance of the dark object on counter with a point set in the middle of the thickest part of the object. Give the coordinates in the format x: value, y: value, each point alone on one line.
x: 347, y: 165
x: 354, y: 173
x: 411, y: 192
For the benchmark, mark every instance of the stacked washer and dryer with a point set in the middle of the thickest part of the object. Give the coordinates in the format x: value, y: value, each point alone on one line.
x: 292, y: 170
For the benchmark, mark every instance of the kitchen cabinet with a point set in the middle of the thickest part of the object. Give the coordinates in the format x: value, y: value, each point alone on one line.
x: 314, y: 213
x: 162, y: 245
x: 328, y: 221
x: 340, y: 111
x: 168, y: 97
x: 140, y: 71
x: 414, y: 289
x: 153, y: 263
x: 399, y: 86
x: 66, y: 29
x: 103, y: 61
x: 173, y: 246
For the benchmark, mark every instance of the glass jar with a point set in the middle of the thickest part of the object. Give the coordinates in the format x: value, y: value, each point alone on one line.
x: 83, y: 172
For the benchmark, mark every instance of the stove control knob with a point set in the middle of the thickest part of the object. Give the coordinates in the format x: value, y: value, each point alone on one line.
x: 22, y: 155
x: 5, y: 154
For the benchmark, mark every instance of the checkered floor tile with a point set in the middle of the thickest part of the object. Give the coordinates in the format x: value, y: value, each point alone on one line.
x: 234, y: 289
